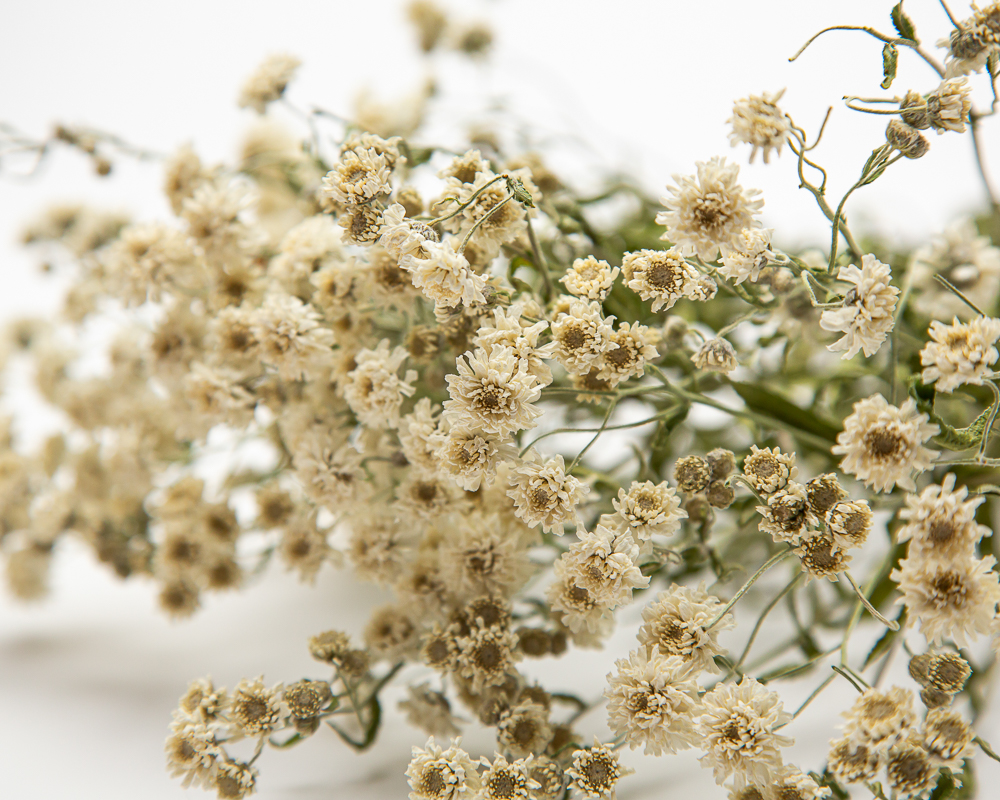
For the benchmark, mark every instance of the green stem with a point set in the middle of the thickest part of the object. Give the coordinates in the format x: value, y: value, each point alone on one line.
x: 775, y: 559
x: 763, y: 614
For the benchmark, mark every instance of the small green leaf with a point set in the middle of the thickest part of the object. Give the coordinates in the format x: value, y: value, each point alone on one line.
x: 292, y: 740
x: 953, y: 438
x: 902, y: 23
x: 889, y: 56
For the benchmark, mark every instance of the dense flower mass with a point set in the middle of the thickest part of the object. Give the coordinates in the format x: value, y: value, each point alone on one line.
x: 539, y: 421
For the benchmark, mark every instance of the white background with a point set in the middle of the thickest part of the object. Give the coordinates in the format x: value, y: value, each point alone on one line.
x: 88, y: 678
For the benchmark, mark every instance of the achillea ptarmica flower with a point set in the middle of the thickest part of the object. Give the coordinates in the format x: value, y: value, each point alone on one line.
x: 470, y: 456
x: 821, y: 557
x: 630, y: 350
x: 746, y: 258
x: 653, y: 701
x: 794, y: 784
x: 481, y: 557
x: 960, y: 353
x: 429, y: 711
x: 510, y: 330
x: 545, y: 495
x: 692, y: 473
x: 883, y: 445
x: 880, y: 719
x: 595, y: 772
x: 234, y: 780
x: 253, y: 708
x: 647, y: 509
x: 374, y: 390
x: 191, y: 751
x: 823, y: 491
x: 852, y: 761
x: 486, y: 656
x: 948, y: 106
x: 941, y: 523
x: 738, y: 724
x: 716, y: 355
x: 767, y: 470
x: 329, y: 646
x: 604, y: 563
x: 362, y: 224
x: 550, y: 778
x: 505, y: 780
x: 708, y: 211
x: 575, y: 604
x: 758, y: 121
x: 307, y: 698
x: 582, y: 336
x: 954, y: 599
x: 268, y: 82
x: 491, y: 392
x: 444, y: 276
x: 524, y: 730
x: 911, y: 773
x: 438, y: 774
x: 942, y: 672
x: 787, y: 516
x: 289, y: 336
x: 401, y: 236
x: 663, y: 276
x: 392, y: 631
x: 361, y: 176
x: 947, y: 737
x: 676, y: 624
x: 849, y: 522
x: 905, y: 139
x: 866, y: 316
x: 966, y: 259
x: 589, y: 278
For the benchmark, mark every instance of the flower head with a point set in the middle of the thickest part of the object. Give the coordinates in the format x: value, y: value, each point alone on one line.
x: 758, y: 121
x: 884, y: 445
x: 866, y: 316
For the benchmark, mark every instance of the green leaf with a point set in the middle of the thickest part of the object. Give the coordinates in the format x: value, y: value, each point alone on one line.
x: 291, y: 741
x: 902, y: 23
x: 889, y: 57
x: 776, y: 407
x: 881, y: 647
x: 953, y: 438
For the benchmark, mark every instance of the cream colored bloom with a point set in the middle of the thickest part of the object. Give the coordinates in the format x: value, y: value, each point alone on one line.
x: 444, y: 276
x: 708, y: 211
x: 767, y: 470
x: 960, y: 353
x: 404, y: 237
x: 630, y: 349
x: 954, y: 600
x: 419, y: 438
x: 647, y: 509
x: 254, y: 709
x: 941, y: 523
x: 880, y: 719
x: 663, y: 276
x: 758, y: 121
x: 505, y: 780
x: 653, y: 701
x: 748, y: 256
x: 866, y: 316
x: 883, y: 445
x: 604, y: 563
x: 486, y: 656
x: 849, y: 522
x: 793, y: 784
x: 438, y: 774
x: 545, y: 495
x: 471, y: 456
x: 582, y: 335
x: 966, y: 259
x: 948, y: 106
x: 374, y: 390
x: 787, y: 516
x: 738, y: 724
x: 595, y: 771
x: 948, y: 738
x: 491, y: 393
x: 508, y: 329
x: 268, y: 82
x: 589, y: 278
x: 676, y: 624
x: 289, y: 336
x: 361, y: 176
x: 716, y: 355
x: 429, y: 711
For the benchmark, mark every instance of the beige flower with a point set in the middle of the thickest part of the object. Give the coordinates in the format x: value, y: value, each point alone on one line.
x: 883, y: 445
x: 491, y: 393
x: 582, y: 336
x: 960, y: 353
x: 738, y: 724
x: 676, y: 624
x: 545, y: 495
x: 663, y: 276
x: 955, y: 600
x: 589, y: 278
x: 595, y: 771
x: 880, y: 719
x: 866, y: 316
x: 769, y: 470
x: 647, y: 509
x: 746, y: 259
x: 941, y: 523
x: 604, y: 563
x: 653, y: 701
x: 374, y: 390
x: 438, y: 774
x: 708, y: 211
x: 758, y: 121
x: 268, y: 82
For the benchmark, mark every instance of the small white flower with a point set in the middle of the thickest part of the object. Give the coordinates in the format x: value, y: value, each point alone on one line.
x: 758, y: 121
x: 866, y: 316
x: 960, y: 353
